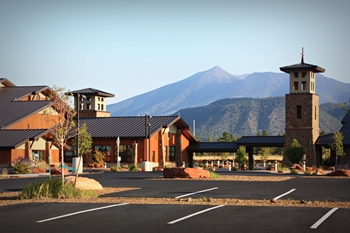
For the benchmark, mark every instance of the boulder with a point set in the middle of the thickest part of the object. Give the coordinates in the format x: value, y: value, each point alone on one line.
x: 58, y: 171
x: 187, y: 172
x: 84, y: 183
x: 318, y: 171
x: 345, y: 173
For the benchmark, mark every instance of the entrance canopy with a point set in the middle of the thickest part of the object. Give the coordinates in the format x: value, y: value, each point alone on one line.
x: 261, y: 141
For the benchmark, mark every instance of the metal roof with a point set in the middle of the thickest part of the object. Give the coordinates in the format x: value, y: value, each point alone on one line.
x: 12, y: 138
x: 260, y: 141
x: 213, y: 147
x: 94, y: 92
x: 132, y: 126
x: 302, y: 66
x: 13, y: 110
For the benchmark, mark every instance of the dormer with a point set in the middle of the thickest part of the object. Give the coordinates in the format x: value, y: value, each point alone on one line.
x: 91, y: 102
x: 302, y: 76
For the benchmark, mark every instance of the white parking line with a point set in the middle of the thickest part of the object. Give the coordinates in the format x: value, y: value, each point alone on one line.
x: 194, y: 214
x: 278, y: 197
x: 206, y: 190
x: 321, y: 220
x: 80, y: 212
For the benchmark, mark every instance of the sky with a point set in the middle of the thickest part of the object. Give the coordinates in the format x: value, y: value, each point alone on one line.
x: 130, y: 47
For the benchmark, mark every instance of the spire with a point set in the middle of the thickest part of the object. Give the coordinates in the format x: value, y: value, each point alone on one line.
x: 302, y: 55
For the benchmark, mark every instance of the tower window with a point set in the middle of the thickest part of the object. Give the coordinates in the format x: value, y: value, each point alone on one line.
x: 298, y: 111
x: 303, y: 74
x: 303, y: 85
x: 101, y: 106
x: 98, y: 106
x: 315, y: 112
x: 296, y: 74
x: 88, y: 106
x: 295, y: 87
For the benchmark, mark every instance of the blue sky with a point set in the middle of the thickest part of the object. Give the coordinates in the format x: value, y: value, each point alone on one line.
x: 131, y: 47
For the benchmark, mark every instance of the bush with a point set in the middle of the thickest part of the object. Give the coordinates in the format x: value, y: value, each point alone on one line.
x: 4, y: 173
x: 53, y: 188
x: 294, y: 172
x: 115, y: 168
x: 98, y: 157
x: 133, y: 168
x: 21, y: 166
x: 295, y: 153
x: 213, y: 175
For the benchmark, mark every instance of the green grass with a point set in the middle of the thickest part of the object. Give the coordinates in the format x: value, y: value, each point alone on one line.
x: 53, y: 188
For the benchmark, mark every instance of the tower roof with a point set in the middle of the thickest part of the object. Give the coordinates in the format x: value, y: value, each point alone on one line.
x: 89, y: 91
x: 302, y: 66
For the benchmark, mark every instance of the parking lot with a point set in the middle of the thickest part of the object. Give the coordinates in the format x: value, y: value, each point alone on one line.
x: 128, y: 217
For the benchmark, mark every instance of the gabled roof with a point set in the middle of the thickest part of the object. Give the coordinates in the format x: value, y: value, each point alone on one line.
x: 94, y: 92
x: 213, y: 147
x: 12, y: 109
x: 5, y: 82
x: 129, y: 126
x: 302, y: 66
x: 12, y: 138
x: 257, y: 141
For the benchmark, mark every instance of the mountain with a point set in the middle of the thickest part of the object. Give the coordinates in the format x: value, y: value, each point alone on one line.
x: 246, y: 116
x: 215, y: 84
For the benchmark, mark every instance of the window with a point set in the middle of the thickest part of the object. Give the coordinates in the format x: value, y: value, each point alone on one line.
x: 81, y: 106
x: 101, y: 106
x: 98, y: 106
x: 88, y: 106
x: 298, y: 111
x: 296, y: 74
x: 88, y: 98
x: 295, y: 87
x: 315, y: 112
x: 303, y: 85
x: 125, y: 153
x: 38, y: 155
x: 172, y: 154
x: 303, y: 74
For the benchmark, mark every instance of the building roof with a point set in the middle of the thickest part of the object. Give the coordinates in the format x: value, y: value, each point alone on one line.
x: 5, y: 82
x: 13, y: 109
x: 94, y: 92
x: 302, y: 66
x: 345, y: 130
x: 130, y: 126
x: 260, y: 141
x: 213, y: 147
x: 12, y: 138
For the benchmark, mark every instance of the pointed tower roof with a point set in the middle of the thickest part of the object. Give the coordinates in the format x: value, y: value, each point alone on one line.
x: 94, y: 92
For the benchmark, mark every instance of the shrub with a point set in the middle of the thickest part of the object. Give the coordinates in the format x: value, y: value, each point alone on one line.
x: 213, y: 175
x: 98, y: 157
x: 53, y: 188
x: 21, y: 166
x: 115, y: 168
x: 307, y: 172
x: 4, y: 173
x: 241, y: 157
x: 294, y: 172
x: 295, y: 153
x: 133, y: 168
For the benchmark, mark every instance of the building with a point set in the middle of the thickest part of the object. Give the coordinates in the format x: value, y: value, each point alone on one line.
x: 158, y: 140
x: 24, y: 131
x: 302, y: 109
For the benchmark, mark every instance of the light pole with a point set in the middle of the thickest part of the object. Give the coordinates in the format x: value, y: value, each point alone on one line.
x: 147, y: 135
x: 118, y: 158
x: 78, y: 128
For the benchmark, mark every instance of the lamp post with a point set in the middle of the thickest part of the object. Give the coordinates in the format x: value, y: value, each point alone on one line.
x: 78, y: 128
x: 147, y: 135
x: 118, y: 158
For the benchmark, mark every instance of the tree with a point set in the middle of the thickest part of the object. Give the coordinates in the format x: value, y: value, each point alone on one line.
x: 295, y: 153
x: 241, y: 155
x: 60, y: 118
x: 227, y: 137
x: 345, y: 106
x: 85, y: 142
x: 337, y: 145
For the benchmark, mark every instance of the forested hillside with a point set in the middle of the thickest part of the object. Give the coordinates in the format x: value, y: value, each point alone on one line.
x: 247, y: 116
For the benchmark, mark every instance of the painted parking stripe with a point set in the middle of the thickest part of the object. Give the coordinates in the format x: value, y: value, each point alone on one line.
x: 278, y: 197
x: 80, y: 212
x: 194, y: 214
x: 202, y: 191
x: 321, y: 220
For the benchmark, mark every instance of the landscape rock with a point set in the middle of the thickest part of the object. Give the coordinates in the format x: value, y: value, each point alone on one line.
x: 84, y: 183
x: 192, y: 173
x: 345, y: 173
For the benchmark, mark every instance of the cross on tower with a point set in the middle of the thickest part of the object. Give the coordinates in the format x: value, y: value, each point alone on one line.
x: 302, y: 55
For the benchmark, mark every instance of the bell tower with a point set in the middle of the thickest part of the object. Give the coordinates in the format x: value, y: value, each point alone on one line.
x: 302, y: 108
